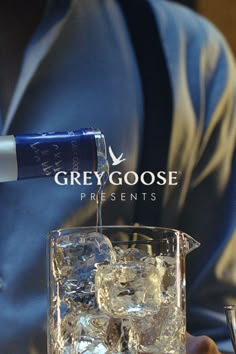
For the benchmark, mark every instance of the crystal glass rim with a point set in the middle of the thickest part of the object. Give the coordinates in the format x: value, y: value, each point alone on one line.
x: 128, y: 228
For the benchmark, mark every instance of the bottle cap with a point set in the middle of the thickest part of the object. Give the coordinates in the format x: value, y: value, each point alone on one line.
x: 8, y: 159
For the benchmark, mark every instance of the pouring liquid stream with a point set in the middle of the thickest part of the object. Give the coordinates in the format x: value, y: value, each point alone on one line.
x: 99, y: 198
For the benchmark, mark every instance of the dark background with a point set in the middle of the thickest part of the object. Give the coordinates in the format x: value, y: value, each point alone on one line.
x: 190, y: 3
x: 221, y: 12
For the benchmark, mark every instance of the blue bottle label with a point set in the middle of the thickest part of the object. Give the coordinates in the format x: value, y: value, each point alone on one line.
x: 46, y: 154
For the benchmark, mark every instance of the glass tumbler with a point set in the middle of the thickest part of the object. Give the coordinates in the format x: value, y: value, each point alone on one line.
x: 117, y: 289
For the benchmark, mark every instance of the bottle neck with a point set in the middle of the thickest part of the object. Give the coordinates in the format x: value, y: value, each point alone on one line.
x: 41, y: 155
x: 102, y: 162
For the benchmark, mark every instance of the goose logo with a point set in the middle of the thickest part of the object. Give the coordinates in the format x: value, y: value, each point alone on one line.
x: 115, y: 160
x: 116, y: 177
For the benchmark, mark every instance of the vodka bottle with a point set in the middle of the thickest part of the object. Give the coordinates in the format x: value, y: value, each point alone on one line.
x: 45, y: 154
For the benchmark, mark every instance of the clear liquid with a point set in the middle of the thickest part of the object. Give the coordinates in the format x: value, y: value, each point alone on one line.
x: 99, y: 197
x: 102, y: 167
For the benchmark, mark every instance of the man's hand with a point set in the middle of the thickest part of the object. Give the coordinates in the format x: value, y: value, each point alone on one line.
x: 201, y: 345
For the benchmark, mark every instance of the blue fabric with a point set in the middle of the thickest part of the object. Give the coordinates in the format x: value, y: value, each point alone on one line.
x: 203, y: 147
x: 80, y: 70
x: 87, y: 78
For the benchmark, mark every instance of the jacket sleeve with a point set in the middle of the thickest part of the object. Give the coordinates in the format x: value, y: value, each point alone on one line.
x: 202, y: 148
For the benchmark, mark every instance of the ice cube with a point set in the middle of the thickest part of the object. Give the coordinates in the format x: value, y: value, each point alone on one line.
x: 79, y: 295
x: 160, y: 332
x: 74, y: 264
x: 77, y: 255
x: 90, y: 346
x: 172, y: 339
x: 65, y: 334
x: 81, y: 333
x: 169, y: 284
x: 168, y: 275
x: 84, y: 346
x: 128, y: 289
x: 117, y: 337
x: 107, y: 331
x: 129, y: 254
